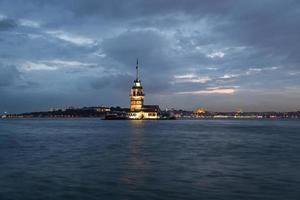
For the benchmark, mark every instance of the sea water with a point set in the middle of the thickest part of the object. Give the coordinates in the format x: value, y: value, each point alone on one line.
x: 83, y: 159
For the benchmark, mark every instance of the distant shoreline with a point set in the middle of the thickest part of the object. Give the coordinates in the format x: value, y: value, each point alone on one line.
x: 118, y: 113
x: 177, y: 119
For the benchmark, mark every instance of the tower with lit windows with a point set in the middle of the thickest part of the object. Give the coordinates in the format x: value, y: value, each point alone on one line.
x: 137, y: 93
x: 137, y: 108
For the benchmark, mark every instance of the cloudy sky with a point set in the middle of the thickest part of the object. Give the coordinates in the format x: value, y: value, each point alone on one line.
x: 221, y: 55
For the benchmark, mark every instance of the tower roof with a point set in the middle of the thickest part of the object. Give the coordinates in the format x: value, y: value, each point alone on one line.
x: 137, y: 81
x: 137, y: 70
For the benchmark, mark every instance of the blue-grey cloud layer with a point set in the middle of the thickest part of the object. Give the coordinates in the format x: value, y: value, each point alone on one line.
x: 218, y: 54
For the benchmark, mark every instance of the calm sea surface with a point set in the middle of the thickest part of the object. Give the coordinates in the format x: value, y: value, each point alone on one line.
x: 203, y: 159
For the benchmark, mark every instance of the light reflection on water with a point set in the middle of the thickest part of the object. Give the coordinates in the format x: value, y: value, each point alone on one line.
x: 136, y: 166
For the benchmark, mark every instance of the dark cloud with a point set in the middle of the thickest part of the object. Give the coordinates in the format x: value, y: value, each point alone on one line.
x: 149, y: 46
x: 115, y: 82
x: 7, y: 24
x: 87, y: 50
x: 9, y: 74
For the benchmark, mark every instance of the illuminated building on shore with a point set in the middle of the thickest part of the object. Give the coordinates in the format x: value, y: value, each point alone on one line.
x: 199, y: 110
x: 137, y: 108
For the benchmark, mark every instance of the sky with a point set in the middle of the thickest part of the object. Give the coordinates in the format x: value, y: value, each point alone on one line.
x: 221, y: 55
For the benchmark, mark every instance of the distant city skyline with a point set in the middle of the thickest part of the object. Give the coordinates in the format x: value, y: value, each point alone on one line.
x: 220, y: 55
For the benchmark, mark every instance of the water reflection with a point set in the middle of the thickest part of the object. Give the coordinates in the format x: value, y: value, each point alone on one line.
x: 136, y: 166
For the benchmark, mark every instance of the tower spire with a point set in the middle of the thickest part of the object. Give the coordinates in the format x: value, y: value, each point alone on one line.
x: 137, y: 69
